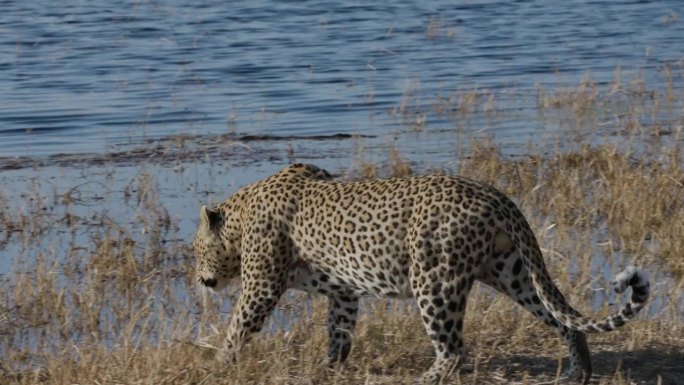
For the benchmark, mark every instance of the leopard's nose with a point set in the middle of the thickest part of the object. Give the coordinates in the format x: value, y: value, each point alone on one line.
x: 211, y: 282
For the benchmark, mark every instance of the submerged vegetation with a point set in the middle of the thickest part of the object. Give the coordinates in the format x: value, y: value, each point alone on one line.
x: 101, y: 293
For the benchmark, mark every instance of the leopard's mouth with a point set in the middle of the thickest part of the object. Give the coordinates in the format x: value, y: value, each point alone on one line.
x: 215, y: 282
x: 208, y: 282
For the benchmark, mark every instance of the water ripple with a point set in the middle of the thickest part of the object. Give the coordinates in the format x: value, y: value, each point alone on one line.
x: 75, y: 73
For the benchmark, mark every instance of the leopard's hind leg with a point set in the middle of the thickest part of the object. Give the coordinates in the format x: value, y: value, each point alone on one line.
x: 506, y: 273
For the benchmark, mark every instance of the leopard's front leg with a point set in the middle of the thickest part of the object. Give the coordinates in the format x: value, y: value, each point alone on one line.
x: 257, y: 300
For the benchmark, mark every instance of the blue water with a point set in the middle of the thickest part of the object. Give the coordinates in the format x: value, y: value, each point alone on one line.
x: 83, y: 77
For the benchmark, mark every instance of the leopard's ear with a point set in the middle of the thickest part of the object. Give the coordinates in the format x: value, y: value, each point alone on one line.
x: 209, y: 219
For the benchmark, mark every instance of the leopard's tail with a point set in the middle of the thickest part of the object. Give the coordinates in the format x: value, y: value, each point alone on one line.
x: 555, y: 302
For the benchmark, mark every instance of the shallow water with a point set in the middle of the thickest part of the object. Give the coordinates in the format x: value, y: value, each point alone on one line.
x: 90, y: 77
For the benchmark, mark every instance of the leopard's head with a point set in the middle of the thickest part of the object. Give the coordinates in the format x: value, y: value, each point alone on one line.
x: 217, y: 247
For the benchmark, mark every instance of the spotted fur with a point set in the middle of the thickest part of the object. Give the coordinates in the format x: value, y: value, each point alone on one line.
x: 424, y: 237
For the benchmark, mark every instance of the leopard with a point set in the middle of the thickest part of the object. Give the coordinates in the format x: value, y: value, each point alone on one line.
x: 429, y: 238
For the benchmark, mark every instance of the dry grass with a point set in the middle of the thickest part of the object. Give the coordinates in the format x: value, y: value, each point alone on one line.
x: 118, y: 307
x: 634, y: 203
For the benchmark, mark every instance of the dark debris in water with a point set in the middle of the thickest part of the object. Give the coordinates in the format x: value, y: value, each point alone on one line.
x: 178, y: 148
x: 253, y: 138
